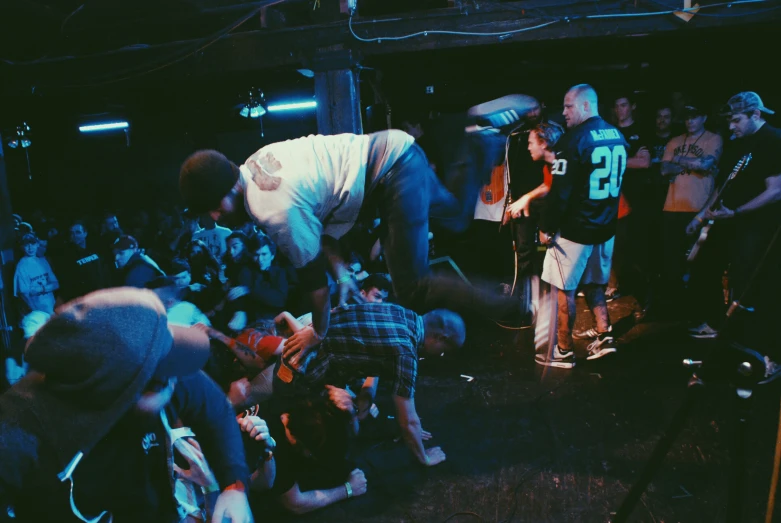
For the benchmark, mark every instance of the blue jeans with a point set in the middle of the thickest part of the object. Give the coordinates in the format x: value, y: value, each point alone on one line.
x: 410, y: 195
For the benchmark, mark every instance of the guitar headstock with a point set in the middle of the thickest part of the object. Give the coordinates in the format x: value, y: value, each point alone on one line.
x: 742, y: 164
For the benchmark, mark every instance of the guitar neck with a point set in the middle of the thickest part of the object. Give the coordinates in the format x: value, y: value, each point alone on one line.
x: 739, y: 167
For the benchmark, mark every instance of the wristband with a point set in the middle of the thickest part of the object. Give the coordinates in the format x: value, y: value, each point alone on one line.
x: 349, y: 489
x: 344, y: 279
x: 211, y: 489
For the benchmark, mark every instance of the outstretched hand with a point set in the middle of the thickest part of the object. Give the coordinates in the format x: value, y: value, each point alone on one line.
x: 434, y: 456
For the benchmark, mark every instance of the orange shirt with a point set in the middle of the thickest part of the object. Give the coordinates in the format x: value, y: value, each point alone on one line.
x: 547, y: 175
x: 624, y: 209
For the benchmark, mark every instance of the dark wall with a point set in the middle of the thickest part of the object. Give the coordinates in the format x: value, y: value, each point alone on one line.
x: 711, y: 65
x: 77, y: 174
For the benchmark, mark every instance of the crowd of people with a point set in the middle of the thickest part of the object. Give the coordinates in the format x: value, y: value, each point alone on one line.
x: 654, y: 188
x: 225, y: 356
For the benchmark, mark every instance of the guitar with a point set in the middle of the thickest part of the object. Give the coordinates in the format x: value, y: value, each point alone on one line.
x: 703, y: 237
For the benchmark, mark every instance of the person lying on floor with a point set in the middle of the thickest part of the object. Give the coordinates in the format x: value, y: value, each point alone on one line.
x: 309, y: 440
x: 381, y: 339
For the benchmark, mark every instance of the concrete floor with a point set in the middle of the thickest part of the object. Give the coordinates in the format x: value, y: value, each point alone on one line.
x: 566, y: 446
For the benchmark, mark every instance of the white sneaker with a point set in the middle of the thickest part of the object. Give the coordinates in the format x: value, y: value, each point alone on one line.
x: 697, y: 328
x: 559, y: 359
x: 590, y: 334
x: 601, y: 347
x: 703, y: 332
x: 772, y: 371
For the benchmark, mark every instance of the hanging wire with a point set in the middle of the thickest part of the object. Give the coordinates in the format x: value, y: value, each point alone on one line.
x: 559, y: 19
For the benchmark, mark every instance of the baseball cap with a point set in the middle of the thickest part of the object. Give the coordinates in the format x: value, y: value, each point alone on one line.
x: 125, y: 242
x: 115, y: 334
x: 693, y: 109
x: 744, y: 102
x: 97, y: 354
x: 205, y: 178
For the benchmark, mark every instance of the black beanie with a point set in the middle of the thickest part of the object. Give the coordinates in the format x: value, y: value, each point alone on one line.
x: 205, y: 178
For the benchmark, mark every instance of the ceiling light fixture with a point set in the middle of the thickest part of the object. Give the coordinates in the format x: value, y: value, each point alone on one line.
x: 255, y: 104
x: 292, y: 106
x: 108, y: 126
x: 21, y: 138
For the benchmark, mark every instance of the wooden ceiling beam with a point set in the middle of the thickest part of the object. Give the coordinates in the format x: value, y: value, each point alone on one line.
x: 256, y: 50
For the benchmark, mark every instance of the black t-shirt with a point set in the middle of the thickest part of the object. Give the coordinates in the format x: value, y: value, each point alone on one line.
x: 525, y: 174
x: 134, y: 450
x: 656, y: 145
x: 583, y: 199
x: 80, y: 271
x: 764, y: 146
x: 635, y: 136
x: 636, y: 181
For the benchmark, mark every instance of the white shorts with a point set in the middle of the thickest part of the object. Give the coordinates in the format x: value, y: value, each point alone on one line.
x: 569, y: 264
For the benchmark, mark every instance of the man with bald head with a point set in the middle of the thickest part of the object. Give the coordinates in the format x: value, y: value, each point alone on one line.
x: 579, y: 221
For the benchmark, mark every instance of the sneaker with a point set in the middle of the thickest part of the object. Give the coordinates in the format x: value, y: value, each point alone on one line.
x: 772, y: 371
x: 590, y: 334
x: 697, y: 328
x: 581, y: 294
x: 560, y: 359
x: 611, y: 293
x: 703, y: 332
x: 600, y: 347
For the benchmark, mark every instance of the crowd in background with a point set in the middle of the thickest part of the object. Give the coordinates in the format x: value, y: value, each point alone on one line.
x: 236, y: 287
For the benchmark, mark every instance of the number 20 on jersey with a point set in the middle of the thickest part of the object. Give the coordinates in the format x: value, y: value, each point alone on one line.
x: 605, y: 180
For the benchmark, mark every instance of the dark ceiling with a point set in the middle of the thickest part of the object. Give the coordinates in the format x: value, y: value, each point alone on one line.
x: 31, y: 30
x: 40, y: 31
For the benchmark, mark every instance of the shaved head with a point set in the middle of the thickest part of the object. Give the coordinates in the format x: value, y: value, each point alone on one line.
x: 580, y: 104
x: 584, y: 93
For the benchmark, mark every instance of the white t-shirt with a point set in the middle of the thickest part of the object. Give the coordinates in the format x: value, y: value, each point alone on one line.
x: 300, y: 189
x: 31, y: 276
x: 214, y: 239
x: 186, y: 314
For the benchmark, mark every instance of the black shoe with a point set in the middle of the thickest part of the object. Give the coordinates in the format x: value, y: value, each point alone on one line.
x: 601, y: 347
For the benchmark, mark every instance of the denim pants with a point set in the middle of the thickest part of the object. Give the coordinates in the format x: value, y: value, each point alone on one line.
x: 407, y: 197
